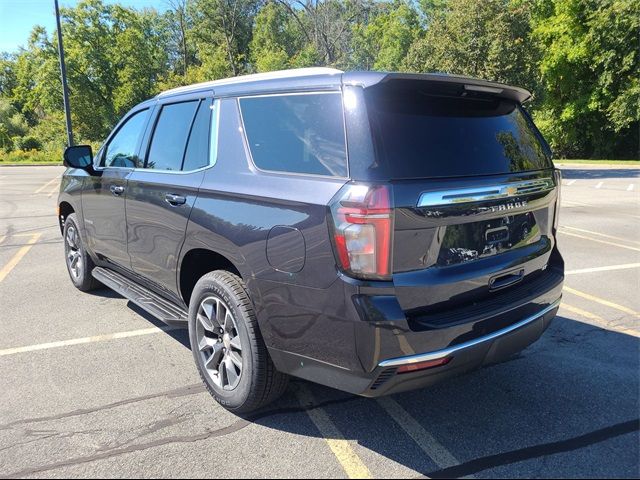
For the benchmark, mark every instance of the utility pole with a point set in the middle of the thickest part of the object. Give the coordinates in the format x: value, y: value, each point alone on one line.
x: 63, y: 74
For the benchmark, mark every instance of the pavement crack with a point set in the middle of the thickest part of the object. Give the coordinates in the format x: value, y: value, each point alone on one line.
x: 178, y: 392
x: 236, y: 426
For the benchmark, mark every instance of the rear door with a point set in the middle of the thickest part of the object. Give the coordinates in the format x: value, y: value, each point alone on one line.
x: 160, y: 195
x: 474, y: 193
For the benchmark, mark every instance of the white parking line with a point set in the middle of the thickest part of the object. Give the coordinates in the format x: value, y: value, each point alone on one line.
x: 80, y: 341
x: 570, y: 203
x: 599, y: 185
x: 630, y: 187
x: 599, y: 234
x: 603, y: 269
x: 571, y: 182
x: 599, y: 241
x: 427, y: 443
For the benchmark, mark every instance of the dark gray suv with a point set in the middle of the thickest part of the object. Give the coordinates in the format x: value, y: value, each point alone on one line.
x: 373, y: 232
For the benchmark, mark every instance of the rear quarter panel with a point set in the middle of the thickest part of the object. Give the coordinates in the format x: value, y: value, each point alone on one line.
x: 238, y: 208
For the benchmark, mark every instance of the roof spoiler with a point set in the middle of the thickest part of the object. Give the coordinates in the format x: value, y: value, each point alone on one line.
x: 468, y: 84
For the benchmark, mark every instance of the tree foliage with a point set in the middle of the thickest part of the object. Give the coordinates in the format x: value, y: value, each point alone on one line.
x: 580, y: 58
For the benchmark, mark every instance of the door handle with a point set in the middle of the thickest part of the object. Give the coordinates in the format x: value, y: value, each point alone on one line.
x: 507, y: 280
x: 116, y: 190
x: 174, y: 199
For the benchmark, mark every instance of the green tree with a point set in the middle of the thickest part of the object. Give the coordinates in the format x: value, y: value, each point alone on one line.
x: 272, y: 45
x: 487, y: 39
x: 222, y: 29
x: 13, y: 125
x: 383, y: 43
x: 590, y: 76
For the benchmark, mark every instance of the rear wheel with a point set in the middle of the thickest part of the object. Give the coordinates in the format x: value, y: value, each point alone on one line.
x: 79, y: 263
x: 227, y: 346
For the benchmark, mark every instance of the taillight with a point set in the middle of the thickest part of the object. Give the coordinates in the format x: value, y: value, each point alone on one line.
x: 556, y: 213
x: 362, y: 218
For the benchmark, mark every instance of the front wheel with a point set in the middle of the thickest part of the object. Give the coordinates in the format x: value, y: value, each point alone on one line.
x: 227, y: 346
x: 79, y: 263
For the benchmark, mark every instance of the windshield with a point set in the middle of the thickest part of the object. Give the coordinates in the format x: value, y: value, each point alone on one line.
x: 421, y: 135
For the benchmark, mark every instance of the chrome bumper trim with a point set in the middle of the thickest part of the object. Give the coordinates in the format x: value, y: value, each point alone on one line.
x: 425, y: 357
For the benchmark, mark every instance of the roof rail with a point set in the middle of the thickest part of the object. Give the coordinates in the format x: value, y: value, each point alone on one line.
x: 256, y: 77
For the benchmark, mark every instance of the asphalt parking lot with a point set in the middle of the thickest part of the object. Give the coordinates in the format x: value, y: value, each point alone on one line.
x: 93, y: 386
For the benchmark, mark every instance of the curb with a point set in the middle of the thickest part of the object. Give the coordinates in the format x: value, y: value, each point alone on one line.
x: 42, y: 164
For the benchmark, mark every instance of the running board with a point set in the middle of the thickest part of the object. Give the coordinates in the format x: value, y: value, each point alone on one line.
x: 149, y: 301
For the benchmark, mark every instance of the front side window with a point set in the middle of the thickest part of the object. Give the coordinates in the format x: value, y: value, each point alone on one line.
x: 122, y: 148
x: 296, y: 133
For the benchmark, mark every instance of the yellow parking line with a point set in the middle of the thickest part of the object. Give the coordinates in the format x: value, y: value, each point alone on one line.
x: 341, y: 448
x: 599, y: 234
x: 427, y: 443
x: 55, y: 189
x: 599, y: 321
x: 600, y: 241
x: 80, y: 341
x: 602, y: 301
x: 2, y: 238
x: 18, y: 256
x: 46, y: 185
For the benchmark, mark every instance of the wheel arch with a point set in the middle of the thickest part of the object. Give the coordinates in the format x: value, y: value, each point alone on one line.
x: 196, y: 263
x: 64, y: 210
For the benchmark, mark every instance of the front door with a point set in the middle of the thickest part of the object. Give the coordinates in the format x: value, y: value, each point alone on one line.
x: 103, y: 195
x: 160, y: 195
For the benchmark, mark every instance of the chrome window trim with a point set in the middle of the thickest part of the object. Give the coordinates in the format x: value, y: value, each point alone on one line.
x: 440, y: 354
x: 213, y: 159
x: 482, y: 194
x: 285, y: 172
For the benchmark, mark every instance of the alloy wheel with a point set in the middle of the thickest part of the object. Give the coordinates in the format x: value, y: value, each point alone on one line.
x: 74, y: 254
x: 219, y: 345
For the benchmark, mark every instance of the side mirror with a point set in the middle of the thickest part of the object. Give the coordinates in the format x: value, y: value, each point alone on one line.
x: 79, y: 156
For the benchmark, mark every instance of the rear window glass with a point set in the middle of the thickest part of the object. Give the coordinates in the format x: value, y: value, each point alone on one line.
x: 417, y: 135
x: 299, y: 133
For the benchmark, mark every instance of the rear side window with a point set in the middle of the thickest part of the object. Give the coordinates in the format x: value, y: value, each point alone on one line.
x: 170, y: 135
x: 197, y: 154
x: 121, y: 150
x: 417, y: 135
x: 296, y: 133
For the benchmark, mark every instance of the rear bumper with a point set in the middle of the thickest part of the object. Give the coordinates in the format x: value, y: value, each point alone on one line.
x: 362, y: 346
x: 463, y: 357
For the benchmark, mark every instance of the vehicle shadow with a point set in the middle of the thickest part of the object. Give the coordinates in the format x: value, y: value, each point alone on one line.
x: 599, y: 174
x: 565, y: 407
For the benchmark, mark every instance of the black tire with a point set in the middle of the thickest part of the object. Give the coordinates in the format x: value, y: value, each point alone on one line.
x: 80, y: 271
x: 259, y: 382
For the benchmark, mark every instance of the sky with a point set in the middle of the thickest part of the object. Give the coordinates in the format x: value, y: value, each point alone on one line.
x: 18, y: 17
